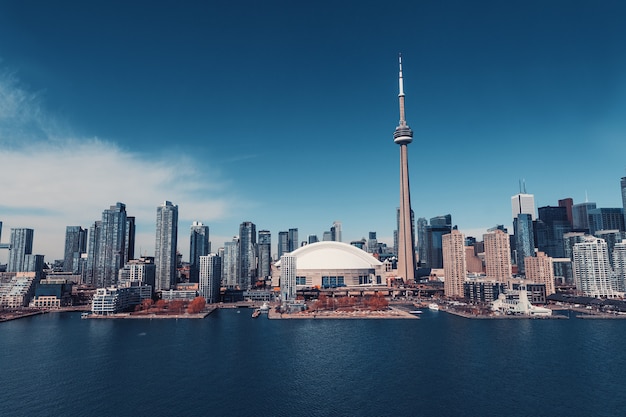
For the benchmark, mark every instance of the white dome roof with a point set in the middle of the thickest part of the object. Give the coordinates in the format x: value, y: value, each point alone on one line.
x: 333, y: 255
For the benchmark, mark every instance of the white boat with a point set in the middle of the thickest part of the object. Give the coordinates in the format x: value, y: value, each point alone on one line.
x: 265, y: 307
x: 415, y: 311
x: 433, y: 306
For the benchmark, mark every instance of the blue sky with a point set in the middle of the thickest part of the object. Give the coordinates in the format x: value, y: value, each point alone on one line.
x: 282, y: 113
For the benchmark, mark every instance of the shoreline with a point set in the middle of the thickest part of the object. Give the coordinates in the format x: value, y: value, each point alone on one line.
x: 392, y: 313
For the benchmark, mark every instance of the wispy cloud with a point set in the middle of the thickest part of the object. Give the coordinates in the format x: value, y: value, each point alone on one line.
x: 50, y: 180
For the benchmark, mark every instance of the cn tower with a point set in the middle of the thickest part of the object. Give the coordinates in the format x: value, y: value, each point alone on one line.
x: 403, y: 135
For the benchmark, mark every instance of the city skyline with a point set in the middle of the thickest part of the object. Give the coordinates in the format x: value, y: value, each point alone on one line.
x: 218, y: 108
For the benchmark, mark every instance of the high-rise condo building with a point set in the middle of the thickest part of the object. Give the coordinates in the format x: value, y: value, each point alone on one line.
x: 623, y: 188
x: 497, y: 255
x: 166, y: 245
x: 523, y: 203
x: 265, y: 254
x: 21, y: 245
x: 592, y: 270
x: 540, y: 270
x: 422, y: 248
x: 568, y: 203
x: 138, y: 272
x: 129, y: 240
x: 75, y: 246
x: 107, y: 247
x: 247, y: 255
x: 619, y: 265
x: 288, y: 267
x: 403, y: 135
x: 199, y: 245
x: 210, y: 277
x: 454, y: 265
x: 230, y: 263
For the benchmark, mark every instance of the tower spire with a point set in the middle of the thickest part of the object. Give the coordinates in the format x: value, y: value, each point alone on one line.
x: 403, y: 134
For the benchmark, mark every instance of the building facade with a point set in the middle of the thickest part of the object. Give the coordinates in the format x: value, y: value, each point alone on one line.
x: 21, y: 245
x: 75, y: 246
x: 540, y: 270
x: 592, y: 270
x: 265, y: 254
x: 497, y: 255
x: 199, y: 245
x: 165, y: 246
x: 454, y: 264
x: 210, y: 278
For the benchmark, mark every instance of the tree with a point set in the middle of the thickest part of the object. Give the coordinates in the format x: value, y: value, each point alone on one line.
x: 196, y: 305
x: 176, y: 306
x: 161, y: 305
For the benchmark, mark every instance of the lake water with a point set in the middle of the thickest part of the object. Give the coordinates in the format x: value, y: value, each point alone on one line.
x: 232, y: 365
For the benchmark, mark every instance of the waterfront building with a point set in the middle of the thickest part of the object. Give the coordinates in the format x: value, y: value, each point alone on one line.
x: 516, y: 302
x: 21, y: 245
x: 524, y: 240
x: 18, y: 291
x: 536, y: 293
x: 186, y: 294
x: 75, y: 246
x: 107, y: 246
x: 454, y: 264
x: 230, y: 275
x: 592, y: 269
x: 34, y: 263
x: 540, y: 270
x: 619, y: 266
x: 580, y: 216
x: 199, y: 245
x: 247, y: 255
x: 288, y: 270
x: 334, y: 264
x: 482, y: 291
x: 52, y: 293
x: 140, y: 271
x: 165, y: 246
x: 523, y: 203
x: 606, y: 219
x: 497, y: 255
x: 210, y: 278
x: 265, y: 254
x: 473, y: 261
x: 114, y: 299
x: 403, y: 135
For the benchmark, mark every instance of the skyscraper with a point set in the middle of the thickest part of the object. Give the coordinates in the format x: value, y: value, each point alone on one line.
x: 75, y: 245
x: 165, y: 246
x: 265, y: 254
x: 283, y: 243
x: 288, y: 268
x: 497, y: 255
x: 210, y: 275
x: 619, y: 265
x: 580, y: 218
x: 335, y: 231
x: 523, y: 203
x: 21, y: 245
x: 198, y: 246
x: 605, y: 219
x: 107, y: 247
x: 550, y: 228
x: 592, y: 270
x: 403, y: 135
x: 247, y: 255
x: 230, y: 263
x: 454, y: 264
x: 623, y: 187
x: 293, y: 239
x: 439, y: 226
x: 524, y: 240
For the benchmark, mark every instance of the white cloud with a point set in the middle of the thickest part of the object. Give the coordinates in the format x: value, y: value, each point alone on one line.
x: 51, y: 181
